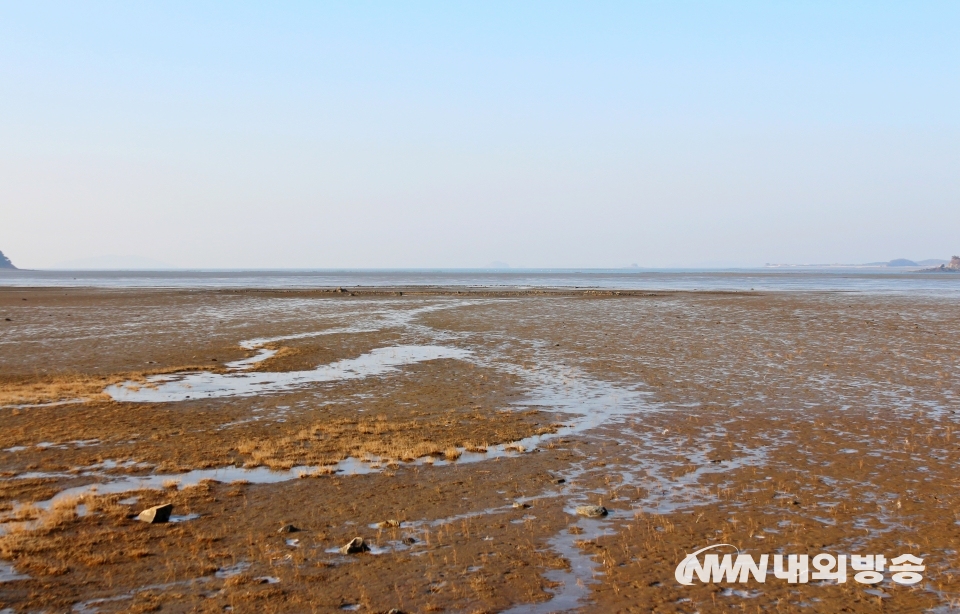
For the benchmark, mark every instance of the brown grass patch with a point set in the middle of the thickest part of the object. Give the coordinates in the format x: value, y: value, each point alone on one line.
x: 71, y: 386
x: 375, y: 439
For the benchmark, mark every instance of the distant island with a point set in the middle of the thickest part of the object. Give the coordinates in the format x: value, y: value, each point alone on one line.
x: 5, y: 262
x: 951, y: 267
x: 895, y: 263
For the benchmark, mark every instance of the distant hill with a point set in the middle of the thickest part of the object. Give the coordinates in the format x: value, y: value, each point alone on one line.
x: 5, y: 262
x: 907, y: 262
x: 897, y: 262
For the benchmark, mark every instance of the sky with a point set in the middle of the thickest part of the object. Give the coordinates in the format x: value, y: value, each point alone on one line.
x: 455, y: 134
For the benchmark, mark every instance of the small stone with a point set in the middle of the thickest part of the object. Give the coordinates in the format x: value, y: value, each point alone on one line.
x: 521, y: 506
x: 394, y: 611
x: 388, y: 524
x: 355, y: 546
x: 409, y: 540
x: 288, y: 528
x: 156, y: 514
x: 592, y: 511
x: 559, y: 481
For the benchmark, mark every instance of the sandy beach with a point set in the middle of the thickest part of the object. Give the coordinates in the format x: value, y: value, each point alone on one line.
x: 457, y: 432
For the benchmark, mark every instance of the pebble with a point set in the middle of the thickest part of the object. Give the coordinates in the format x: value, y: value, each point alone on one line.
x: 356, y: 546
x: 156, y: 514
x: 592, y: 511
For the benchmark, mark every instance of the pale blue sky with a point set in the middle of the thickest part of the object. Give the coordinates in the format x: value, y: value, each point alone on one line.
x: 446, y: 134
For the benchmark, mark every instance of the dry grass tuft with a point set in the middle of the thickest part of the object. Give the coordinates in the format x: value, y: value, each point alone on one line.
x: 61, y: 512
x: 238, y: 580
x: 25, y: 512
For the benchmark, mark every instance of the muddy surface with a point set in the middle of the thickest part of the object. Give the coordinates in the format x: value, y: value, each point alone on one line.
x: 779, y: 423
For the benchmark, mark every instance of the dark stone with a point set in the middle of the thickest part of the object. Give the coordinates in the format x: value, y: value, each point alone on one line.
x: 356, y: 546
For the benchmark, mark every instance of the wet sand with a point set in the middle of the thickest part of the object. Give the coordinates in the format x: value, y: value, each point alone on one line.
x: 781, y: 423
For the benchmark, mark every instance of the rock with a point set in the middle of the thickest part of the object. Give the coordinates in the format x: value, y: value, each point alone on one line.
x: 559, y: 481
x: 156, y: 514
x: 388, y: 524
x: 409, y: 540
x: 288, y: 528
x: 521, y: 506
x: 952, y: 267
x: 592, y: 511
x: 5, y: 262
x: 355, y: 546
x: 394, y: 611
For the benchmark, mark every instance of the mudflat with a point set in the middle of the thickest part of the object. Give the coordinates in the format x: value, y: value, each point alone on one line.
x: 457, y: 432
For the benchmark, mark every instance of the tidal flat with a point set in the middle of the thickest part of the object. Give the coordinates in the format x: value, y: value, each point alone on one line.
x: 456, y: 432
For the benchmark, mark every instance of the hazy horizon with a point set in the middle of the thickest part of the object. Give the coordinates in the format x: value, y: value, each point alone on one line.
x: 135, y: 264
x: 543, y: 135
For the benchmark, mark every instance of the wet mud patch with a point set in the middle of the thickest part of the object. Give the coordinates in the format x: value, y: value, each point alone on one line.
x: 448, y: 551
x: 325, y: 348
x: 798, y: 423
x: 426, y: 410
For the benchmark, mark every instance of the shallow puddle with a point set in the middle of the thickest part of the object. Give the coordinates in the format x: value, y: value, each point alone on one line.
x: 9, y: 574
x: 205, y: 385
